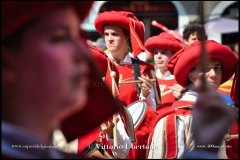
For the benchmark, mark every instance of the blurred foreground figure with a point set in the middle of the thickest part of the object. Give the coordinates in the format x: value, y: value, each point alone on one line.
x: 46, y: 77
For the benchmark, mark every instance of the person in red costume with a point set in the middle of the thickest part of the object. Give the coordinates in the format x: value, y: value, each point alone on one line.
x: 124, y: 33
x: 173, y: 134
x: 163, y: 47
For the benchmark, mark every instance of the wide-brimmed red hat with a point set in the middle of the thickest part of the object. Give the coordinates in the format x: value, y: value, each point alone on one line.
x: 163, y: 40
x: 101, y: 104
x: 187, y: 58
x: 16, y: 14
x: 126, y: 20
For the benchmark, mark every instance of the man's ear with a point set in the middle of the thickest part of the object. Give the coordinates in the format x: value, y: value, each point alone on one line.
x: 8, y: 60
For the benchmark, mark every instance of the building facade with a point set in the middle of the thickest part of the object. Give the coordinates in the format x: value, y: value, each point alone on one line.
x: 172, y: 14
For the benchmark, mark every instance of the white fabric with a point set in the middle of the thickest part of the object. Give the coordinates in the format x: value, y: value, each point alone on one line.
x: 166, y: 75
x: 124, y: 142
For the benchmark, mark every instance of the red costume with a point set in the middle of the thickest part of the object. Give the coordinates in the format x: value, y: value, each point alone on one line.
x: 128, y: 93
x: 165, y: 80
x: 172, y: 134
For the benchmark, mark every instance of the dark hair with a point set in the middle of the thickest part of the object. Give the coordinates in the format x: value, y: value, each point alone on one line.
x: 191, y: 28
x: 127, y: 34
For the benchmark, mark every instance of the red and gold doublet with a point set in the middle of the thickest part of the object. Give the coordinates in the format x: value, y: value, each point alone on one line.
x: 128, y: 95
x: 167, y: 97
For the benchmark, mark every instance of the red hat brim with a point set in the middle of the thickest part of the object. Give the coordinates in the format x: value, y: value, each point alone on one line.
x: 185, y: 59
x: 17, y: 14
x: 165, y: 41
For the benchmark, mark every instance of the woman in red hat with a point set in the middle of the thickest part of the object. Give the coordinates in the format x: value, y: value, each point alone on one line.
x: 45, y: 77
x: 172, y: 134
x: 124, y: 33
x: 163, y: 47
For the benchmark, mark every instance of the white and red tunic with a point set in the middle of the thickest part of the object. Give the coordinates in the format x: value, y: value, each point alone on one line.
x: 129, y: 94
x: 172, y: 134
x: 166, y: 81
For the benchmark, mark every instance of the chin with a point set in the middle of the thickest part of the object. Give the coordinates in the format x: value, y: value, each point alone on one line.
x: 214, y: 86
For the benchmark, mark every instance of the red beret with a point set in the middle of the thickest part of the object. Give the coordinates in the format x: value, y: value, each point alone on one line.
x: 16, y: 14
x: 187, y: 58
x: 122, y: 19
x: 163, y: 40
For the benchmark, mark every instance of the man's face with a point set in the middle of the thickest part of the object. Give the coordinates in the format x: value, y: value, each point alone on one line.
x: 213, y: 74
x: 192, y: 38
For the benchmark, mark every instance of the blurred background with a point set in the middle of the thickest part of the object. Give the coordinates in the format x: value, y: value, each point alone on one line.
x: 221, y: 17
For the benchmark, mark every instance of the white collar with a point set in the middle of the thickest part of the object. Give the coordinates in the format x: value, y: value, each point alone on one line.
x: 190, y: 96
x: 127, y: 60
x: 166, y: 75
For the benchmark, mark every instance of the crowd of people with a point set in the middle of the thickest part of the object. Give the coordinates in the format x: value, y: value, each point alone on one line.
x: 59, y: 88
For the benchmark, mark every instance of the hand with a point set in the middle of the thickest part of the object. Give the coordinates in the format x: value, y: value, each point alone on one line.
x: 146, y: 85
x: 108, y: 126
x: 178, y: 90
x: 212, y: 119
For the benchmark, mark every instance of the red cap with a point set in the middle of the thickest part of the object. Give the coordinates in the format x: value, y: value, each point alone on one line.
x: 126, y: 20
x: 16, y: 14
x: 165, y: 41
x: 187, y: 58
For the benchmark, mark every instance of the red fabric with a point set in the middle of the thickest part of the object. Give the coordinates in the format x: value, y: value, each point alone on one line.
x: 235, y: 87
x: 142, y: 133
x: 233, y: 144
x: 170, y: 111
x: 137, y: 44
x: 126, y: 20
x: 100, y: 59
x: 163, y: 40
x: 168, y: 99
x: 171, y: 137
x: 16, y: 14
x: 105, y: 66
x: 85, y: 141
x: 100, y: 106
x: 128, y: 93
x: 189, y: 57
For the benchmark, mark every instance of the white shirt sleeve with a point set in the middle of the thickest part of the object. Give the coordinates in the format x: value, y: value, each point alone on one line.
x: 150, y: 99
x: 124, y: 142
